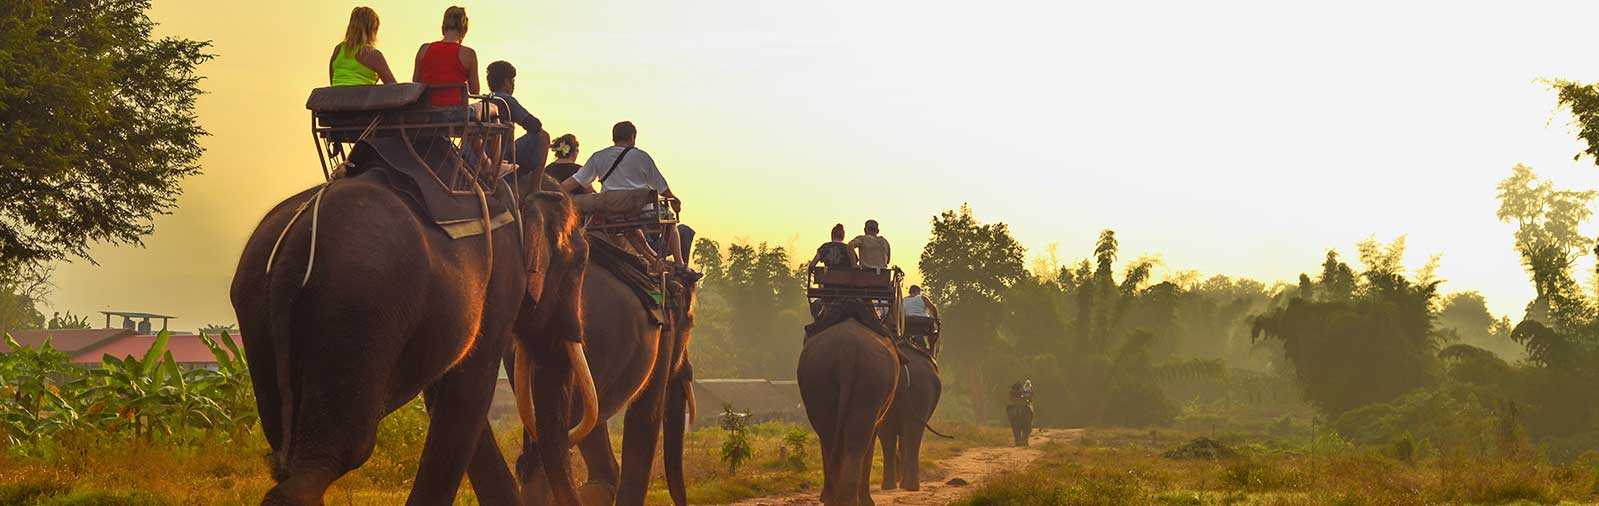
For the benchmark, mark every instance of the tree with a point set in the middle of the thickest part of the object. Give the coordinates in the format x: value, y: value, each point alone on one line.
x: 97, y: 125
x: 20, y: 294
x: 1583, y: 102
x: 1549, y: 243
x: 1368, y: 347
x: 968, y: 261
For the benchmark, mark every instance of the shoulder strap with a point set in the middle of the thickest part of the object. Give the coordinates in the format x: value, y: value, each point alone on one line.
x: 614, y: 164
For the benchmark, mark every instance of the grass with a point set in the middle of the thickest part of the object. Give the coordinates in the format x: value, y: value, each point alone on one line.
x: 97, y: 469
x: 1121, y: 467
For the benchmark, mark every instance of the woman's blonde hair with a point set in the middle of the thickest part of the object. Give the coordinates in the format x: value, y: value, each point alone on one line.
x: 454, y: 19
x: 363, y: 29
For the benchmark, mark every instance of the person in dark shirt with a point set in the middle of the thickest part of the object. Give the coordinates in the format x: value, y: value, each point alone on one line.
x: 834, y: 254
x: 531, y: 146
x: 565, y: 165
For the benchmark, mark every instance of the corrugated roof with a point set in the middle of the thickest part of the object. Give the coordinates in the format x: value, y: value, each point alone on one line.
x: 186, y: 349
x: 70, y: 341
x: 760, y: 398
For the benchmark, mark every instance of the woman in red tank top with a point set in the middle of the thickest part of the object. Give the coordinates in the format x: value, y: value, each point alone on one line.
x: 448, y: 62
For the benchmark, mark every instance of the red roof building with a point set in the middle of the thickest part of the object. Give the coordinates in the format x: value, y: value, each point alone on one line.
x: 185, y: 348
x: 73, y: 342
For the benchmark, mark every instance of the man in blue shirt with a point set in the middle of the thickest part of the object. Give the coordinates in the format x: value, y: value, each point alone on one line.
x: 531, y: 146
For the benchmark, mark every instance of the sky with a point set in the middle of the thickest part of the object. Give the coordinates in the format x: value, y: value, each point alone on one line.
x: 1229, y: 137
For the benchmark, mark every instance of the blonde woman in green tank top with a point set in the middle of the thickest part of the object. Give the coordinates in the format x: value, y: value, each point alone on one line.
x: 355, y: 61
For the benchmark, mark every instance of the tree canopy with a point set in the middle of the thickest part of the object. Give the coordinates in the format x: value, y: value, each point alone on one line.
x: 97, y: 125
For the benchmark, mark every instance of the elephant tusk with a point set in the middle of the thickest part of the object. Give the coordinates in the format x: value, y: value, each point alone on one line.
x: 524, y: 390
x: 585, y: 383
x: 693, y: 407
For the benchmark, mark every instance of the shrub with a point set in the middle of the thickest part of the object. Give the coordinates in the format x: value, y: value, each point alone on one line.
x: 736, y: 448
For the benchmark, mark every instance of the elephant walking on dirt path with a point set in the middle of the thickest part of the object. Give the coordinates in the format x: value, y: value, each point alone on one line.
x: 638, y: 365
x: 847, y: 375
x: 395, y: 307
x: 901, y: 433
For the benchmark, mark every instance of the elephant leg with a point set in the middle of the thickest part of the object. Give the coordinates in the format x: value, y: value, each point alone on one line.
x: 552, y: 401
x: 530, y: 472
x: 910, y: 453
x: 332, y: 439
x: 600, y: 489
x: 889, y: 440
x: 491, y: 481
x: 641, y: 432
x: 458, y: 404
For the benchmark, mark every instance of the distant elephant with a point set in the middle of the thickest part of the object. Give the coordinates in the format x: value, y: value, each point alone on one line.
x: 633, y: 363
x: 1021, y: 421
x: 847, y: 375
x: 901, y: 434
x: 390, y: 306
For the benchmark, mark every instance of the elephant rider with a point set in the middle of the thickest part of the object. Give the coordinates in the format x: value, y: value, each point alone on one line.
x: 625, y: 167
x: 870, y: 248
x: 1020, y: 396
x: 921, y: 319
x: 529, y: 147
x: 834, y: 254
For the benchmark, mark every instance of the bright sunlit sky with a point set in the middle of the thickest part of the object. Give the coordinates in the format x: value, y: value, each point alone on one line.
x: 1239, y: 138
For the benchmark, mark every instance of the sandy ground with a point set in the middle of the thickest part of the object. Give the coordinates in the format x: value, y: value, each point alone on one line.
x: 973, y: 465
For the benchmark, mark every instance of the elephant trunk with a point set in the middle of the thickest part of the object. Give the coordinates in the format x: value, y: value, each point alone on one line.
x: 585, y: 383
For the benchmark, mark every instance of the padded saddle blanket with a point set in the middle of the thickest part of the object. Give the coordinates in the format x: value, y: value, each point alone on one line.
x: 634, y: 273
x: 838, y: 311
x: 407, y: 170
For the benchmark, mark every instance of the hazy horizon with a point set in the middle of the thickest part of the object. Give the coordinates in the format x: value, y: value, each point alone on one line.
x: 1235, y: 138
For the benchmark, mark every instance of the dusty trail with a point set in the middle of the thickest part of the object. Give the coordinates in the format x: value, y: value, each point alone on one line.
x: 974, y: 465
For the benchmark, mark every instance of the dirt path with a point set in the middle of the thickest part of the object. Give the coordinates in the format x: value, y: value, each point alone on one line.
x: 972, y: 465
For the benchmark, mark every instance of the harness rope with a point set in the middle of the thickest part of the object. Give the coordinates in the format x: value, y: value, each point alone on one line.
x: 316, y: 208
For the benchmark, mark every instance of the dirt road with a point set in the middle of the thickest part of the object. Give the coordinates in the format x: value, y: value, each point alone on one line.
x: 973, y: 465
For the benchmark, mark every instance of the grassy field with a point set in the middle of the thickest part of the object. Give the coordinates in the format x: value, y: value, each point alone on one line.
x: 118, y: 470
x: 1124, y: 467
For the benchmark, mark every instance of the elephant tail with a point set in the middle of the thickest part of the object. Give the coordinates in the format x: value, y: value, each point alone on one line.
x: 935, y: 432
x: 281, y: 293
x: 677, y: 410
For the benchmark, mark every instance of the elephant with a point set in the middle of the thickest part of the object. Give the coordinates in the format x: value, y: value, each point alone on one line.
x: 635, y: 363
x: 847, y: 375
x: 345, y: 325
x: 1020, y: 415
x: 901, y: 434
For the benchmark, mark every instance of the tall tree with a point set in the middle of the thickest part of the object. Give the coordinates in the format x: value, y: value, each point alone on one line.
x: 1371, y: 347
x: 1549, y: 242
x: 97, y: 125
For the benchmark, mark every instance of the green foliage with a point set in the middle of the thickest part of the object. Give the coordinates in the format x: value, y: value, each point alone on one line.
x: 1583, y: 102
x: 748, y: 312
x: 1362, y: 343
x: 794, y: 443
x: 97, y: 125
x: 966, y: 261
x: 736, y: 448
x: 42, y: 394
x: 22, y: 289
x: 67, y: 321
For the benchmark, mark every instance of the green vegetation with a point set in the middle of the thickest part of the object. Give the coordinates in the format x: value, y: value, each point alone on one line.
x: 43, y: 396
x: 736, y: 448
x: 97, y: 126
x: 1118, y: 467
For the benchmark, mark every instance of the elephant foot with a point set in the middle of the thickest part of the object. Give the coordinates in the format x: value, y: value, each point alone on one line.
x: 911, y: 487
x: 597, y: 494
x: 536, y: 491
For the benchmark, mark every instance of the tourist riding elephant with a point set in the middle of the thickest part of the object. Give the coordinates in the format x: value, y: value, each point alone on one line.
x: 901, y: 434
x: 634, y: 364
x: 1021, y: 421
x: 353, y: 307
x: 847, y: 375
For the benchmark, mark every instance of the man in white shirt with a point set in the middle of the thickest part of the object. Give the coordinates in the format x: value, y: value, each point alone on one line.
x: 625, y: 167
x: 921, y: 317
